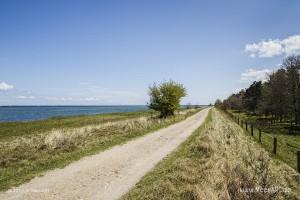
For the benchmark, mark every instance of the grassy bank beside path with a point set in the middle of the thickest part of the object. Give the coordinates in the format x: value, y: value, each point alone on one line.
x: 28, y: 149
x: 217, y: 162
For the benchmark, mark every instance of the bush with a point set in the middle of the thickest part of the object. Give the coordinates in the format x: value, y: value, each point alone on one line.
x: 165, y: 97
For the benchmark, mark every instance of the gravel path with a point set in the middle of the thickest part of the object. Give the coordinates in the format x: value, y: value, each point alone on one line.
x: 109, y: 174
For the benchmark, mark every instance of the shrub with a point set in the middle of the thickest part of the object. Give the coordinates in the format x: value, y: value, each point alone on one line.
x: 165, y: 97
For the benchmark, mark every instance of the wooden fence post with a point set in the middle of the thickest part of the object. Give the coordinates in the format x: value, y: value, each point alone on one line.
x: 246, y: 126
x: 259, y: 135
x: 274, y: 145
x: 298, y: 160
x: 251, y: 129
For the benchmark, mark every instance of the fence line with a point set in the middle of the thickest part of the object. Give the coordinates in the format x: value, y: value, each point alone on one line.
x: 275, y: 147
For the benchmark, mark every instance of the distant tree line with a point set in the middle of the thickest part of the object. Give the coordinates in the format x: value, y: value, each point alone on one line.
x: 278, y: 97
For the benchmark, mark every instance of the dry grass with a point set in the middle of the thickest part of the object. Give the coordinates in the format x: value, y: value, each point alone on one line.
x: 26, y: 156
x: 219, y: 162
x: 68, y: 137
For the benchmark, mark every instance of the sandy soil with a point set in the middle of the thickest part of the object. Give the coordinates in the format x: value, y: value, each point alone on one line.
x: 110, y: 174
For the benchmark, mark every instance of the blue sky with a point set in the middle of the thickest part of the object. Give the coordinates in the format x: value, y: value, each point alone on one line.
x: 109, y: 52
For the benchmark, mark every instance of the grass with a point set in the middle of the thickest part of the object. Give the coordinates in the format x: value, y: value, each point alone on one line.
x: 24, y: 156
x: 214, y: 163
x: 155, y: 180
x: 287, y: 143
x: 10, y: 130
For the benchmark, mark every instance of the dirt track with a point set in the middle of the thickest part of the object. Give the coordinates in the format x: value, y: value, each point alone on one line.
x: 109, y: 174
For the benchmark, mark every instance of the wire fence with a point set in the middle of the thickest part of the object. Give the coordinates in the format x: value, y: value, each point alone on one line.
x: 282, y: 148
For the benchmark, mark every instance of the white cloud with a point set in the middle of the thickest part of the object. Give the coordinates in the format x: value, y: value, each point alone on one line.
x: 89, y: 99
x: 255, y: 75
x: 59, y: 98
x: 25, y: 97
x: 270, y: 48
x: 84, y: 83
x: 93, y: 94
x: 5, y: 86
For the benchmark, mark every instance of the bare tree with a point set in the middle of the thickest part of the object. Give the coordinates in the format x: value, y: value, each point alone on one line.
x: 292, y: 65
x: 278, y: 93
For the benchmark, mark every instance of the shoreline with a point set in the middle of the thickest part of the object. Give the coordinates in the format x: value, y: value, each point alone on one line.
x: 38, y: 113
x: 15, y: 114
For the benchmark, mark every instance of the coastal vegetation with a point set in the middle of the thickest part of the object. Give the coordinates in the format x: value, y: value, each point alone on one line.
x: 28, y: 149
x: 10, y: 130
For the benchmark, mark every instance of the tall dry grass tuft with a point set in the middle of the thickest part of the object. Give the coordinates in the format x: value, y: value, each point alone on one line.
x: 60, y: 138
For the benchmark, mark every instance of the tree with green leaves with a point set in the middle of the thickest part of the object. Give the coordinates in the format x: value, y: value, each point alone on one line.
x: 218, y: 103
x: 166, y: 97
x: 235, y: 101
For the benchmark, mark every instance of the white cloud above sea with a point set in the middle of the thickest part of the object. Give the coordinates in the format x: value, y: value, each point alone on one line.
x: 92, y: 94
x: 86, y: 94
x: 251, y: 75
x: 89, y: 99
x: 5, y: 86
x: 270, y: 48
x: 59, y: 98
x: 25, y: 97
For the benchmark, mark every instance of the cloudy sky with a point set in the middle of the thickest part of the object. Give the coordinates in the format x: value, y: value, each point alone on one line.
x: 109, y: 52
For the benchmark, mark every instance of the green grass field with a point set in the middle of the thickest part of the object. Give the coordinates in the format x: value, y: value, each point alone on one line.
x: 287, y: 143
x: 28, y: 149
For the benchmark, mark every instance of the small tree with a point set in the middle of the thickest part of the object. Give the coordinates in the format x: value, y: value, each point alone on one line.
x: 189, y: 106
x: 165, y: 97
x: 218, y: 103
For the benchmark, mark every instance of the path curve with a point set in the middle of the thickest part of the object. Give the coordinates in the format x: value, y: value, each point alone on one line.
x: 109, y: 174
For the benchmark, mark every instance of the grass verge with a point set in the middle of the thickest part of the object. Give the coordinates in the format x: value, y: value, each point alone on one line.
x: 10, y: 130
x: 152, y: 186
x: 218, y: 162
x: 22, y: 156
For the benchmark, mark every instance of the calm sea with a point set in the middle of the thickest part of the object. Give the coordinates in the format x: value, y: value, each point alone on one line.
x: 29, y: 113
